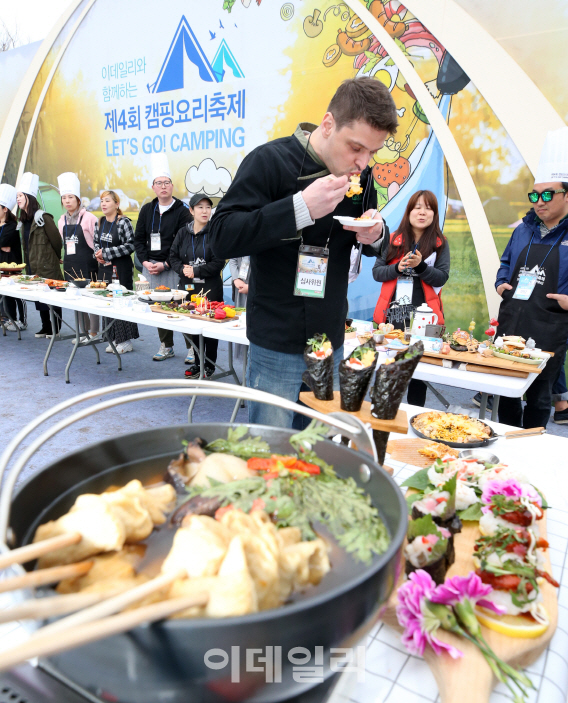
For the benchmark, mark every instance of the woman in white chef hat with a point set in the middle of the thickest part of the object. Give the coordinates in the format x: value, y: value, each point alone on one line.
x: 11, y: 252
x: 42, y: 243
x: 77, y: 228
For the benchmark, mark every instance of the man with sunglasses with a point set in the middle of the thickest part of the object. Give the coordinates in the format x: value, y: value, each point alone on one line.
x: 158, y: 223
x: 533, y: 282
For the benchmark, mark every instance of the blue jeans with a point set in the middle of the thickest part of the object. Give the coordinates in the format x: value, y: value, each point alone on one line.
x: 280, y: 374
x: 559, y: 390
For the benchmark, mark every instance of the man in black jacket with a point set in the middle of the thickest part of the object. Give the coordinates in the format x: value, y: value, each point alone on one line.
x: 284, y: 197
x: 157, y: 226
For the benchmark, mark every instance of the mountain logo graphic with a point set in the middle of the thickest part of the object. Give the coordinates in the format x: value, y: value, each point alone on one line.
x: 185, y: 44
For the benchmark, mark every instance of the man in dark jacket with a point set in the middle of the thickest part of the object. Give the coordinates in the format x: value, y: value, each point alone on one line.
x: 533, y: 282
x: 280, y: 206
x: 158, y: 223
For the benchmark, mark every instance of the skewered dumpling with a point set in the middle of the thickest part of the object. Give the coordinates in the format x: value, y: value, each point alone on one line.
x: 199, y: 547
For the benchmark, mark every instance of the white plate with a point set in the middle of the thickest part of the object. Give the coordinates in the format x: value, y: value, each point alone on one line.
x: 236, y: 325
x: 354, y: 222
x: 534, y: 361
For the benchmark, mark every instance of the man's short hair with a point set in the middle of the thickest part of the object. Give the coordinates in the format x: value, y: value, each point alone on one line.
x: 565, y: 185
x: 366, y: 100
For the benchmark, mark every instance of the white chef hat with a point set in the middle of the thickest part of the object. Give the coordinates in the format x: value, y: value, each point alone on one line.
x: 69, y: 184
x: 553, y: 164
x: 28, y: 184
x: 160, y: 167
x: 7, y: 196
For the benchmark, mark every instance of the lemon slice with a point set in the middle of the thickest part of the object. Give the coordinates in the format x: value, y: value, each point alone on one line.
x: 511, y: 625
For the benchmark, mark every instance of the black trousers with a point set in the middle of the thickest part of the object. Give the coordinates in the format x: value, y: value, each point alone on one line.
x: 539, y: 400
x: 211, y: 346
x: 416, y: 393
x: 11, y: 305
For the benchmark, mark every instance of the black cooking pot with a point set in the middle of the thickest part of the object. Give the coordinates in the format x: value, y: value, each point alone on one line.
x: 167, y: 661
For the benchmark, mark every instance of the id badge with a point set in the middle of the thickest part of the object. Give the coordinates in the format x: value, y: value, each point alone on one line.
x: 525, y: 286
x: 244, y: 270
x: 404, y: 287
x: 199, y: 280
x: 71, y: 249
x: 311, y: 271
x: 155, y: 241
x: 189, y: 286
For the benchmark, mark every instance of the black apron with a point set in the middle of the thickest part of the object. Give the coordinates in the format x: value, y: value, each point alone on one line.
x: 538, y: 317
x: 123, y: 264
x: 82, y: 263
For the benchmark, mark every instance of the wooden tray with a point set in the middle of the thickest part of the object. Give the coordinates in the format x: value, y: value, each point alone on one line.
x: 469, y: 679
x: 406, y: 450
x: 476, y: 368
x: 480, y: 360
x: 191, y: 316
x: 399, y: 424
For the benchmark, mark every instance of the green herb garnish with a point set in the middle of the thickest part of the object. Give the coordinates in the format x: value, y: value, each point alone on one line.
x: 317, y: 342
x: 240, y: 445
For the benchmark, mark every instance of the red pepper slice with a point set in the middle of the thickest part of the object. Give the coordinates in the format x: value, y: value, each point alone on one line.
x: 307, y: 467
x: 257, y: 463
x: 270, y: 474
x: 287, y: 461
x: 548, y: 577
x: 258, y: 504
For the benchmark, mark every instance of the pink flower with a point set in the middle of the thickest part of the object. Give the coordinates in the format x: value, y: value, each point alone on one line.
x: 511, y: 488
x: 413, y: 615
x: 460, y: 588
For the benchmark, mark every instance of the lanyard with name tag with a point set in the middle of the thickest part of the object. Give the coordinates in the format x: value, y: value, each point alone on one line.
x: 244, y: 269
x: 404, y: 288
x: 311, y: 272
x: 527, y: 279
x: 155, y: 241
x: 70, y: 247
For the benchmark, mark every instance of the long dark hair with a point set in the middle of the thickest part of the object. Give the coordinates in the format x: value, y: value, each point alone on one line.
x: 428, y: 240
x: 32, y: 206
x: 10, y: 217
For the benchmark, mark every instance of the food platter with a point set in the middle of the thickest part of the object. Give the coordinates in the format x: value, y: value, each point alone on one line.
x: 534, y: 361
x: 492, y: 436
x: 354, y: 221
x: 192, y: 315
x: 138, y: 665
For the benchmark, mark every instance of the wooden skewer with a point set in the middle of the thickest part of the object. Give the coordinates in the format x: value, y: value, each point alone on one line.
x: 75, y: 272
x: 38, y: 549
x: 43, y: 577
x: 41, y: 608
x: 47, y: 645
x: 112, y: 605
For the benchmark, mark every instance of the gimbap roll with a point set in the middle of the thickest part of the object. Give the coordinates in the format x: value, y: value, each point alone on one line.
x: 318, y: 356
x: 355, y: 375
x: 441, y: 505
x: 392, y: 381
x: 429, y: 548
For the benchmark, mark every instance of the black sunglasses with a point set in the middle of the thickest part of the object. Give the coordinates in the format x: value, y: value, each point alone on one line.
x: 546, y: 195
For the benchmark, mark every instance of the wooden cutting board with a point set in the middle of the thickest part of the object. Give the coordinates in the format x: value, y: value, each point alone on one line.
x: 155, y: 308
x: 479, y: 369
x: 479, y: 359
x: 469, y: 679
x: 406, y: 450
x: 398, y: 425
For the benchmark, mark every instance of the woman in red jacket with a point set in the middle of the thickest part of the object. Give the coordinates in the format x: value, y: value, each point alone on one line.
x: 414, y: 262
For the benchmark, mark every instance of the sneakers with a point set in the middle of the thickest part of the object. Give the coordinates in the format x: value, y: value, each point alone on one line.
x: 190, y: 358
x: 21, y: 325
x: 164, y: 353
x: 10, y: 326
x: 43, y: 333
x: 561, y: 417
x: 476, y: 400
x: 122, y: 348
x: 82, y: 340
x: 193, y: 372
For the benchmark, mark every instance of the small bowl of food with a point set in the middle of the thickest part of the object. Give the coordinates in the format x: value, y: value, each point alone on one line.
x: 81, y: 282
x: 484, y: 456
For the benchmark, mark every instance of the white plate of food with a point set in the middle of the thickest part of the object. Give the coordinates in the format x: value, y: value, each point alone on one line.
x: 523, y: 356
x: 355, y: 221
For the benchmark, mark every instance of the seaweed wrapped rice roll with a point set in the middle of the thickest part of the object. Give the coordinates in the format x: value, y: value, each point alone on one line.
x: 392, y: 381
x: 355, y: 375
x: 318, y: 356
x: 440, y: 504
x: 430, y: 548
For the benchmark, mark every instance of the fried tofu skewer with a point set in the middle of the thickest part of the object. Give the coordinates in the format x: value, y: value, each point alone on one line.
x: 38, y: 549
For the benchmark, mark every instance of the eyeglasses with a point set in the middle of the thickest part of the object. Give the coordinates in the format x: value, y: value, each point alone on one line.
x: 546, y: 195
x: 161, y: 184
